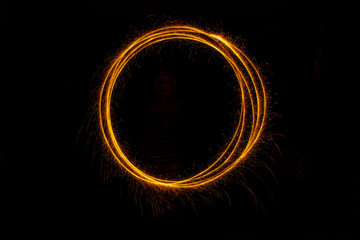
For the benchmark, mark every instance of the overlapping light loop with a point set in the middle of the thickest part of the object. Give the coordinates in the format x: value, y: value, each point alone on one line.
x: 252, y: 105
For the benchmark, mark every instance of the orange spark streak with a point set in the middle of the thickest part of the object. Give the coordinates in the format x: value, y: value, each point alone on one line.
x: 253, y: 105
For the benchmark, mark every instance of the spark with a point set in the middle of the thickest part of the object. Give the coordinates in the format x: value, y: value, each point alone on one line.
x: 252, y: 106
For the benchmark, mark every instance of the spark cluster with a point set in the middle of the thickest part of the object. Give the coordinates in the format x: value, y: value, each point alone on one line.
x: 251, y: 114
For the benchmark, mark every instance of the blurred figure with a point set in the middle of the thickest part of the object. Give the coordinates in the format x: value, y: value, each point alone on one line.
x: 160, y: 141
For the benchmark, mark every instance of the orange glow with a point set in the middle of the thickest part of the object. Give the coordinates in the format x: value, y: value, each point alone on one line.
x: 251, y: 117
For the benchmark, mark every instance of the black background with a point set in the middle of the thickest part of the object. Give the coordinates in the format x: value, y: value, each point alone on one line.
x: 51, y: 56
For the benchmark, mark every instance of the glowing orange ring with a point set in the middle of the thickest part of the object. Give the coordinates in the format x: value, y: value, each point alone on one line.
x: 252, y: 113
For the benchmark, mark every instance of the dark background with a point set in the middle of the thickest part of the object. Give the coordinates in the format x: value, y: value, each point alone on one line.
x: 51, y: 184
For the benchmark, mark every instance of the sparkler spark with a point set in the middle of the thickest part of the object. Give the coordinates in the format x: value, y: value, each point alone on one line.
x: 252, y: 104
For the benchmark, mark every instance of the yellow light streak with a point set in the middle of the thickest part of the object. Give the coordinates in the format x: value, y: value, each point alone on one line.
x: 252, y: 104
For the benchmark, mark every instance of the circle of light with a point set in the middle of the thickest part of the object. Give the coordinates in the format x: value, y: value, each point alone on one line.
x: 252, y: 105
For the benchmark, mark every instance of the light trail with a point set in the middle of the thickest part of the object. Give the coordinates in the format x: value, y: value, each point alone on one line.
x: 252, y: 103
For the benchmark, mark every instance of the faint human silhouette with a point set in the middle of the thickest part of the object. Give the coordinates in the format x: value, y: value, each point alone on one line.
x: 159, y: 144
